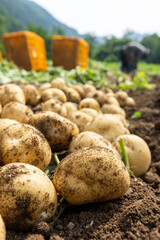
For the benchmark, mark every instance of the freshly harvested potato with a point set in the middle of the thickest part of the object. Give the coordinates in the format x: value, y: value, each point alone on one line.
x: 80, y: 119
x: 2, y: 229
x: 0, y: 108
x: 121, y: 97
x: 89, y: 103
x: 11, y: 92
x: 70, y: 107
x: 113, y: 109
x: 91, y: 175
x: 58, y: 131
x: 54, y: 106
x: 88, y: 88
x: 5, y: 122
x: 53, y: 93
x: 107, y: 125
x: 130, y: 102
x: 44, y: 86
x: 27, y: 196
x: 122, y: 119
x: 23, y: 143
x: 58, y: 83
x: 80, y: 90
x: 138, y: 152
x: 106, y: 89
x: 110, y: 100
x: 72, y: 95
x: 17, y: 111
x: 92, y: 112
x: 31, y: 94
x: 97, y: 95
x: 88, y: 139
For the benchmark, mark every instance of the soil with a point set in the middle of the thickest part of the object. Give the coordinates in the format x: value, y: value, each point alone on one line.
x: 134, y: 216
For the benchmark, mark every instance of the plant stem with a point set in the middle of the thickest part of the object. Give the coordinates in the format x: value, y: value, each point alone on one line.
x: 56, y: 158
x: 124, y: 154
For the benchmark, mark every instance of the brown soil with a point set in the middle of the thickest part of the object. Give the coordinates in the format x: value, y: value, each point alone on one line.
x: 137, y: 214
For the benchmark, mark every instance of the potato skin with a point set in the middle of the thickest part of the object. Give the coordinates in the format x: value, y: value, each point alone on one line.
x: 53, y: 93
x: 89, y: 103
x: 91, y: 175
x: 72, y: 95
x: 54, y: 106
x: 92, y: 112
x: 27, y: 196
x: 113, y: 109
x: 57, y: 130
x: 70, y: 107
x: 24, y: 143
x: 58, y: 83
x: 80, y: 118
x: 5, y: 122
x: 32, y: 95
x: 2, y: 229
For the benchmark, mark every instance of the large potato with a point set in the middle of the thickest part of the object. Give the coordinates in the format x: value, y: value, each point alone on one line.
x: 23, y: 143
x: 72, y: 95
x: 107, y: 125
x: 27, y: 196
x: 54, y: 106
x: 58, y: 83
x: 17, y: 111
x: 11, y: 92
x: 53, y: 93
x: 80, y: 119
x: 57, y: 130
x: 91, y: 175
x: 89, y: 103
x: 2, y: 229
x: 113, y: 109
x: 138, y: 153
x: 32, y: 95
x: 5, y: 122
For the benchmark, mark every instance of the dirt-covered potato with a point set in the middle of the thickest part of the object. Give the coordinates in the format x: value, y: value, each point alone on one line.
x: 107, y: 125
x: 43, y: 87
x: 31, y: 94
x: 91, y: 175
x: 121, y: 97
x: 5, y: 122
x: 113, y: 109
x: 58, y: 83
x: 27, y: 196
x: 54, y: 106
x: 58, y: 131
x: 23, y: 143
x: 138, y: 153
x: 80, y: 90
x: 17, y: 111
x: 92, y: 112
x: 97, y: 95
x: 80, y: 119
x: 2, y: 229
x: 88, y: 88
x: 88, y: 139
x: 130, y: 102
x: 89, y: 103
x: 11, y: 92
x: 53, y: 93
x: 70, y: 107
x: 72, y: 95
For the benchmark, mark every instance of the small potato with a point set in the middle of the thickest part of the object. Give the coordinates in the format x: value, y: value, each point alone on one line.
x: 27, y: 196
x: 97, y: 95
x: 89, y: 103
x: 130, y: 102
x: 23, y: 143
x: 91, y: 175
x: 44, y: 87
x: 80, y: 119
x: 138, y: 153
x: 112, y: 108
x: 58, y: 131
x: 90, y: 111
x: 88, y: 88
x: 121, y: 97
x: 88, y: 139
x: 107, y: 125
x: 53, y: 93
x: 2, y: 229
x: 5, y: 122
x: 54, y: 106
x: 11, y: 92
x: 110, y: 100
x: 17, y: 111
x: 58, y: 83
x: 72, y: 95
x: 70, y: 107
x: 31, y: 94
x: 80, y: 90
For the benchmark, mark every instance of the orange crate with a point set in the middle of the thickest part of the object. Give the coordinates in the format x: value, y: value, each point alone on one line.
x: 26, y: 49
x: 69, y: 52
x: 0, y: 56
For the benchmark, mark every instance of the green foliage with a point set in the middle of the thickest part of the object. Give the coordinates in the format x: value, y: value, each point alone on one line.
x: 136, y: 115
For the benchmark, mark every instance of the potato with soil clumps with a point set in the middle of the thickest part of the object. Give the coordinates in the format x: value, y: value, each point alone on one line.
x: 11, y: 92
x: 58, y: 131
x: 53, y: 93
x: 5, y: 122
x: 81, y: 119
x: 17, y: 111
x: 54, y: 106
x: 91, y: 175
x: 138, y: 152
x: 97, y: 95
x: 31, y: 94
x: 24, y: 143
x: 72, y: 95
x: 89, y: 103
x: 27, y: 196
x: 2, y: 229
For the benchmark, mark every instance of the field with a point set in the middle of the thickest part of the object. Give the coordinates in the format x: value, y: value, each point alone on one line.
x: 135, y: 215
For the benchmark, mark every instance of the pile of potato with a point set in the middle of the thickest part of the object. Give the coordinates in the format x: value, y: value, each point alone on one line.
x: 37, y: 121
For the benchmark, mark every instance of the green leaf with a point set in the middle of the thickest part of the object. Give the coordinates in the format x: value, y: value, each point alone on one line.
x: 136, y: 115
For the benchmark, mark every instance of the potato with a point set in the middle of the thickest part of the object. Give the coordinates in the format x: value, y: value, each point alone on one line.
x: 138, y: 153
x: 89, y: 103
x: 2, y: 229
x: 44, y: 86
x: 107, y: 125
x: 27, y: 196
x: 72, y: 95
x: 80, y: 90
x: 110, y: 100
x: 88, y: 139
x: 88, y: 88
x: 122, y: 119
x: 5, y: 122
x: 31, y: 94
x: 97, y: 95
x: 80, y: 119
x: 54, y: 106
x: 90, y: 111
x: 0, y: 108
x: 53, y: 93
x: 91, y: 175
x: 23, y: 143
x: 106, y: 89
x: 11, y: 92
x: 58, y: 83
x: 130, y: 102
x: 57, y: 130
x: 113, y: 109
x: 121, y: 97
x: 17, y: 111
x: 70, y: 107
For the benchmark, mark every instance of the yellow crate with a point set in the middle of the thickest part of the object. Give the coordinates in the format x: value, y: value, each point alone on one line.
x: 69, y: 52
x: 0, y: 56
x: 26, y: 49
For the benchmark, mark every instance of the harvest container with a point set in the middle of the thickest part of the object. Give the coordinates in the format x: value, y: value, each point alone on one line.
x: 0, y: 56
x: 26, y: 49
x: 69, y: 52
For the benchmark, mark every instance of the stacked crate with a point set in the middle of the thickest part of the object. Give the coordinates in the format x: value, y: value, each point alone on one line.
x: 69, y: 52
x: 26, y: 49
x: 0, y: 56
